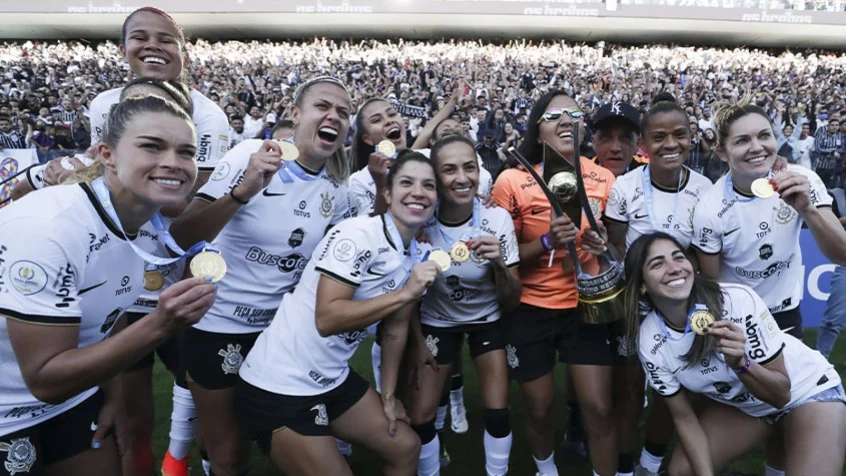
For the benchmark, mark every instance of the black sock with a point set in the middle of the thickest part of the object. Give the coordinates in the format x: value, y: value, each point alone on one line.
x: 457, y: 381
x: 655, y: 449
x: 625, y: 463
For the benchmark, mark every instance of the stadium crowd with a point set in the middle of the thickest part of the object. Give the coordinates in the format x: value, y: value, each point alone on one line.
x: 47, y: 88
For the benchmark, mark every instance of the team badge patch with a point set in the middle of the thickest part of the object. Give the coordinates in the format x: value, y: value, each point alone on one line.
x: 327, y: 205
x: 297, y: 237
x: 432, y: 344
x: 321, y: 419
x: 784, y: 213
x: 27, y: 278
x: 623, y: 348
x: 20, y: 455
x: 511, y: 352
x: 232, y: 358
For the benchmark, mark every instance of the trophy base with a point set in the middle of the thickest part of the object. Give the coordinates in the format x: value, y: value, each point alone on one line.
x: 601, y: 297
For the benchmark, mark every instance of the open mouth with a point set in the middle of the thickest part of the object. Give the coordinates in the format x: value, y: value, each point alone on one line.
x: 394, y: 134
x: 676, y: 283
x: 328, y: 134
x: 171, y: 183
x: 565, y: 135
x: 154, y: 60
x: 757, y: 160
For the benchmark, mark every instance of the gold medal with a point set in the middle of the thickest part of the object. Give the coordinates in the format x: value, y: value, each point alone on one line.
x: 441, y: 258
x: 290, y: 152
x: 459, y: 252
x: 700, y: 320
x: 387, y: 147
x: 153, y: 280
x: 208, y: 263
x: 762, y: 188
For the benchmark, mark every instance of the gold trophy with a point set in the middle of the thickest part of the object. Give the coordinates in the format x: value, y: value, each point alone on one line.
x: 562, y: 182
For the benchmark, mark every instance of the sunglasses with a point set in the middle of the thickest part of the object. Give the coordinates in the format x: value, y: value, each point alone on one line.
x: 555, y: 114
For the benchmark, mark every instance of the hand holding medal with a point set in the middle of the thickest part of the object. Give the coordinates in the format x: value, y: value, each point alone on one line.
x: 731, y: 341
x: 792, y: 187
x: 423, y: 274
x: 700, y: 319
x: 208, y: 264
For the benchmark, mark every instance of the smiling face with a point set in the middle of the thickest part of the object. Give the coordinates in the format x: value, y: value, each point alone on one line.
x: 615, y: 144
x: 323, y: 120
x: 154, y: 158
x: 458, y: 171
x: 750, y: 148
x: 559, y: 133
x: 667, y: 140
x: 667, y: 273
x: 381, y: 121
x: 412, y: 194
x: 153, y: 46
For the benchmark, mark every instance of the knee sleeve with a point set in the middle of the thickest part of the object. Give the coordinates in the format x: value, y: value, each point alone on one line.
x: 426, y: 431
x: 497, y: 422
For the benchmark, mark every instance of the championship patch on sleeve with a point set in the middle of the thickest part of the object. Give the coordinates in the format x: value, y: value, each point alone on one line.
x: 27, y: 278
x: 344, y: 250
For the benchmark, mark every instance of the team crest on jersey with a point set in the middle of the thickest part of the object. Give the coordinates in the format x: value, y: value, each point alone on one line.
x: 232, y: 358
x: 327, y: 205
x: 321, y: 419
x: 20, y: 455
x: 614, y: 197
x: 432, y: 344
x: 511, y: 354
x: 784, y: 213
x: 297, y: 237
x: 221, y: 172
x: 623, y: 347
x: 595, y: 206
x: 477, y: 259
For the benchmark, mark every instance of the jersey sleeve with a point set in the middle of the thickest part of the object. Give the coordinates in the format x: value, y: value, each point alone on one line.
x: 212, y: 136
x: 35, y: 176
x: 361, y: 196
x: 40, y: 274
x: 344, y: 206
x: 229, y: 171
x: 617, y: 206
x: 707, y: 229
x: 659, y: 376
x: 98, y: 112
x: 508, y: 242
x: 764, y: 339
x: 485, y: 181
x: 506, y: 196
x: 819, y: 194
x: 346, y: 253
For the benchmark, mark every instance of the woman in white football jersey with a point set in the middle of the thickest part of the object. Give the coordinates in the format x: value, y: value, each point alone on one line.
x: 468, y: 298
x: 658, y: 197
x: 754, y: 240
x: 74, y: 263
x: 760, y: 380
x: 266, y: 219
x: 296, y: 389
x: 153, y: 45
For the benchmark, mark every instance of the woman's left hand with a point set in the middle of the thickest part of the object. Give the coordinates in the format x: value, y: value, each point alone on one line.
x: 794, y: 189
x: 110, y: 420
x: 731, y: 342
x: 487, y: 246
x: 487, y: 200
x: 394, y: 410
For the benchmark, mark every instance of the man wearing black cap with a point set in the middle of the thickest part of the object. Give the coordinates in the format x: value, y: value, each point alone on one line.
x: 616, y: 131
x: 487, y: 150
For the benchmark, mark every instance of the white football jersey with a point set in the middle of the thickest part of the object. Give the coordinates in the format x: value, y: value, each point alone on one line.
x: 171, y: 273
x: 673, y: 212
x: 210, y: 120
x: 290, y: 357
x: 62, y: 263
x: 363, y: 187
x: 466, y: 293
x: 757, y: 239
x: 268, y: 242
x: 667, y: 373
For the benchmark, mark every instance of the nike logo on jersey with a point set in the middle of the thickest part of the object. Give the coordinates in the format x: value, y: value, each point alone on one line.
x: 83, y: 291
x: 638, y: 217
x: 535, y: 212
x: 270, y: 194
x: 730, y: 232
x: 374, y: 273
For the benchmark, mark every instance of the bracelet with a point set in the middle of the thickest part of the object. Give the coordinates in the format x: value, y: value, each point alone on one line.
x: 547, y: 244
x: 238, y: 200
x: 741, y: 370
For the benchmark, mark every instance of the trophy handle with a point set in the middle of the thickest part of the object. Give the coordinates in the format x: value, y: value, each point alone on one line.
x: 610, y: 252
x: 556, y: 207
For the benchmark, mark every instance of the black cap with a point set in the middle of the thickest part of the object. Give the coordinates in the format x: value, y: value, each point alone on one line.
x: 621, y: 110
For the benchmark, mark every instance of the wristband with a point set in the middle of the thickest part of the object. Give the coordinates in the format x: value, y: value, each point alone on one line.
x: 741, y: 370
x: 547, y: 244
x: 238, y: 200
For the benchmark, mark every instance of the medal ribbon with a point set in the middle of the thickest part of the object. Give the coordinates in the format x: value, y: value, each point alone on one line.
x: 294, y: 168
x: 475, y: 225
x: 666, y: 332
x: 104, y: 197
x: 646, y: 183
x: 413, y: 257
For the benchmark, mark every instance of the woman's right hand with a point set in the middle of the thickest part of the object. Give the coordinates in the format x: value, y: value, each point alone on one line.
x: 378, y: 165
x: 562, y: 231
x: 422, y: 276
x: 184, y: 303
x: 260, y: 169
